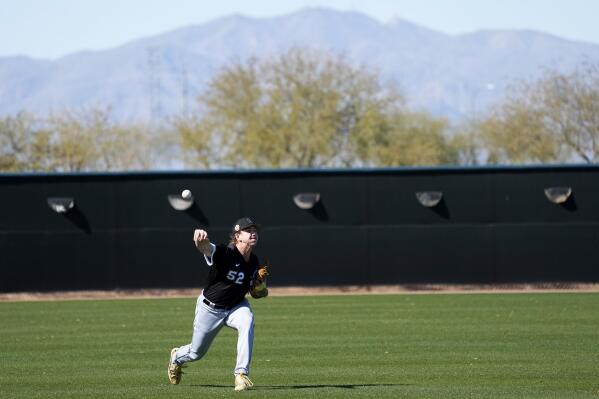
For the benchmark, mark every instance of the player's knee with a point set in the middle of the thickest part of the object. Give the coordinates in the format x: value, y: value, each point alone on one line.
x: 248, y: 322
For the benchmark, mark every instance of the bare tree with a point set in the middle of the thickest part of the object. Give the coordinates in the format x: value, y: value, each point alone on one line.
x: 555, y: 119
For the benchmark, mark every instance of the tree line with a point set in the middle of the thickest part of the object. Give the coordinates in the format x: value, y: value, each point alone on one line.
x: 309, y: 109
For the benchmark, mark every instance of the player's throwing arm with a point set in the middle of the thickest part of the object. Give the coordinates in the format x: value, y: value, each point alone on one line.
x: 200, y: 239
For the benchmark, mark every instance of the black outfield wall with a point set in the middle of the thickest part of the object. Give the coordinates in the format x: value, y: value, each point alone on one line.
x: 493, y: 225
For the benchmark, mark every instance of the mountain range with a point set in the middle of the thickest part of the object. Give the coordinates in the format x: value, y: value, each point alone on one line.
x: 159, y: 77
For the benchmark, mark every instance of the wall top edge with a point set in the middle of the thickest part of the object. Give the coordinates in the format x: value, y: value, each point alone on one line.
x: 309, y: 172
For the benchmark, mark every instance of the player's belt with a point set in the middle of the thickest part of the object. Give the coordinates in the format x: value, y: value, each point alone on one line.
x: 214, y: 305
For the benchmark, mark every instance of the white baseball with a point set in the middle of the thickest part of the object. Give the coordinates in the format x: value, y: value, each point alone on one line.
x: 186, y: 194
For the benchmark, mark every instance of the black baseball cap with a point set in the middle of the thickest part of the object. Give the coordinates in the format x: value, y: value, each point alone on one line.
x: 244, y: 223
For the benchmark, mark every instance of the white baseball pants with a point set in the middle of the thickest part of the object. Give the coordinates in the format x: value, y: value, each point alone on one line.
x: 207, y: 324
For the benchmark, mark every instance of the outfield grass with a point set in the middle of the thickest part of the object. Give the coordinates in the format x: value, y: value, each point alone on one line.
x: 391, y: 346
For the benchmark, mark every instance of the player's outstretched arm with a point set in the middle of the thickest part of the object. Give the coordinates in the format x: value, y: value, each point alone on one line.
x: 202, y: 242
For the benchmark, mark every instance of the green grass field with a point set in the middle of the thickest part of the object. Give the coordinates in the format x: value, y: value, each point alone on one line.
x: 384, y: 346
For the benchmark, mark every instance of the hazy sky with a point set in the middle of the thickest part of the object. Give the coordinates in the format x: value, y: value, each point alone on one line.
x: 52, y: 28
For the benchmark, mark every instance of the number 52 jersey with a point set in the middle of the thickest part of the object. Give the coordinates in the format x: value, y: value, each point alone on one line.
x: 230, y: 276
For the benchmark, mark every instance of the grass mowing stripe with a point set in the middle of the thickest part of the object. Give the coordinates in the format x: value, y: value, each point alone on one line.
x: 388, y: 346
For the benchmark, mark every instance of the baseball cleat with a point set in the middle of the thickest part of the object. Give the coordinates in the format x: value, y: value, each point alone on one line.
x: 242, y: 382
x: 174, y: 369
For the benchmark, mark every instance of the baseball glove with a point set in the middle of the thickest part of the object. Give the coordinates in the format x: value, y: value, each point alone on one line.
x: 259, y: 289
x: 263, y: 272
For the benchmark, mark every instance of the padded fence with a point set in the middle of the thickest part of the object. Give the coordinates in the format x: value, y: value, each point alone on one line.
x: 492, y: 225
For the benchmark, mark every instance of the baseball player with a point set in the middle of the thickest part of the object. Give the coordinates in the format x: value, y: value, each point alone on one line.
x: 234, y: 271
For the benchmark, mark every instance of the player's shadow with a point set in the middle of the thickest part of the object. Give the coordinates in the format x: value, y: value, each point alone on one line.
x: 306, y: 386
x: 320, y: 386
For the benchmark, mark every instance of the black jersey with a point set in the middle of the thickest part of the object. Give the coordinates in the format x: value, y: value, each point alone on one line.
x: 230, y: 276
